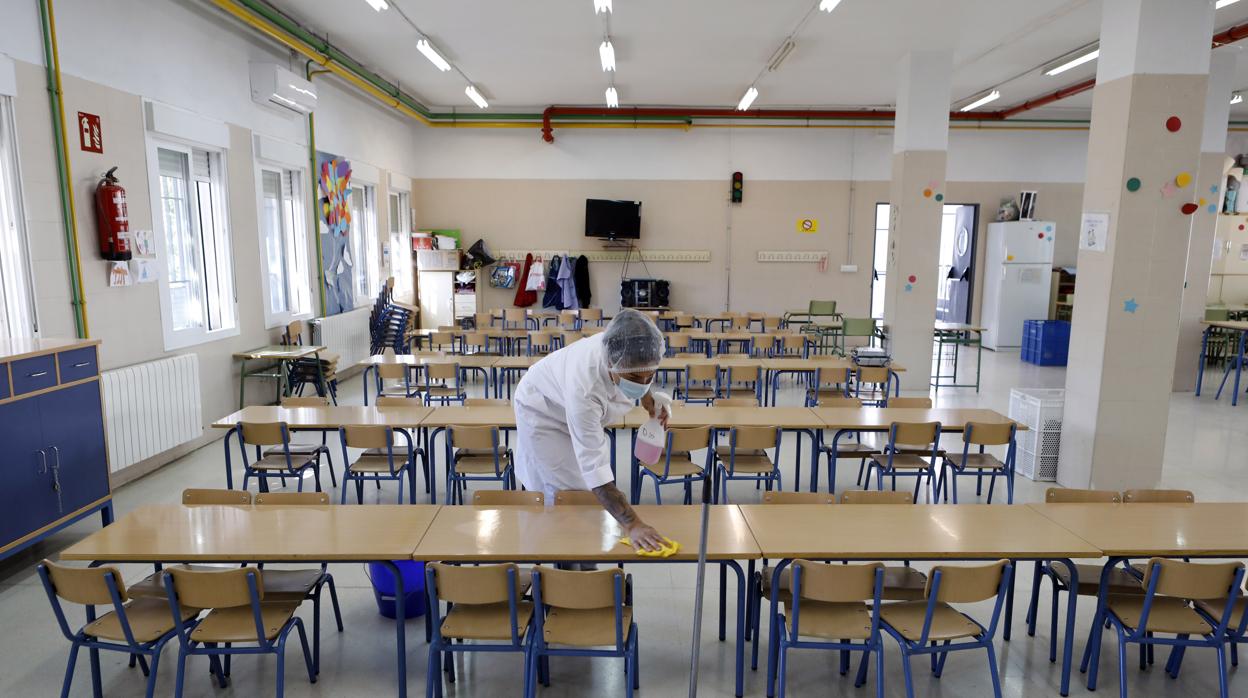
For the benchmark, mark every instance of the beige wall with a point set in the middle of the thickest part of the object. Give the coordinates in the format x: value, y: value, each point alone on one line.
x: 548, y: 214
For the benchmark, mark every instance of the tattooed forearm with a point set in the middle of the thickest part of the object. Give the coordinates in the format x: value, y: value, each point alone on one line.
x: 616, y: 504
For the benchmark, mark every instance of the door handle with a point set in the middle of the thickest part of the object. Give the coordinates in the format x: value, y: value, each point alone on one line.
x: 82, y: 364
x: 37, y: 374
x: 43, y: 462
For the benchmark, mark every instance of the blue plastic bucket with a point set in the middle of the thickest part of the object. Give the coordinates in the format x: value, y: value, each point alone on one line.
x: 413, y: 587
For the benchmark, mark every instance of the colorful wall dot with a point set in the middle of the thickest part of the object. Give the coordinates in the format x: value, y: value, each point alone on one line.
x: 1040, y: 235
x: 1183, y: 179
x: 1048, y: 228
x: 909, y: 288
x: 940, y: 197
x: 1213, y: 208
x: 1241, y: 226
x: 1130, y: 306
x: 1213, y: 189
x: 1133, y: 184
x: 1203, y: 201
x: 1168, y: 189
x: 927, y: 193
x: 1173, y: 124
x: 912, y: 278
x: 1188, y: 208
x: 1009, y: 258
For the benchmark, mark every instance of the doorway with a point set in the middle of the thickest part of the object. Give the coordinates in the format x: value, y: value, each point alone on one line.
x: 959, y: 225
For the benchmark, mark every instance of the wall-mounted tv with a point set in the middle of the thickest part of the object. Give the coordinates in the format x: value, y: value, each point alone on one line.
x: 614, y: 220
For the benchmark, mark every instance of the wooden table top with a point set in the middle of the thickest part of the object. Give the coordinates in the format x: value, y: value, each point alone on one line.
x: 582, y: 533
x: 279, y: 351
x: 175, y: 532
x: 678, y: 363
x: 879, y: 418
x: 820, y: 362
x: 702, y: 416
x: 899, y: 532
x: 485, y: 415
x: 23, y: 347
x: 328, y: 417
x: 1211, y: 529
x: 1237, y: 325
x: 517, y: 361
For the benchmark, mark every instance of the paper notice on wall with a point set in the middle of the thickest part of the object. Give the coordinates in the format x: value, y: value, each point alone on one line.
x: 119, y: 274
x: 1093, y: 231
x: 1243, y: 253
x: 143, y: 270
x: 1029, y: 276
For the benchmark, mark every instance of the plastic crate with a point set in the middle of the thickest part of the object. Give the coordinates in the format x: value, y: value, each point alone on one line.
x: 1038, y: 448
x: 1046, y: 342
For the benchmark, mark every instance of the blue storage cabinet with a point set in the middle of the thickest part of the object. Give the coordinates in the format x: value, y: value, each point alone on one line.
x: 54, y: 466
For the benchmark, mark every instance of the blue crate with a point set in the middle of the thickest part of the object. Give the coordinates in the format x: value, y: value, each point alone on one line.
x: 1046, y: 342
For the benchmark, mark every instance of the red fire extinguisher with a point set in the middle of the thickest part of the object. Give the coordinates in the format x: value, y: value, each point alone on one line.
x: 111, y: 218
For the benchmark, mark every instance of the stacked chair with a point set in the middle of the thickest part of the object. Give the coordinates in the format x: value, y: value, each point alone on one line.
x: 389, y: 322
x: 305, y: 371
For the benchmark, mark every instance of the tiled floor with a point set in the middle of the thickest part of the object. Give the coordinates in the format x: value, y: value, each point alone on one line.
x: 1205, y: 451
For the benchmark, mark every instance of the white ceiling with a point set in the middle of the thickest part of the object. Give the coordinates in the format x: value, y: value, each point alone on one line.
x: 526, y: 55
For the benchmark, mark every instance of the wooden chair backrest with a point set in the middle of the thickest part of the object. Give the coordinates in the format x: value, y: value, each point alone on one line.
x: 211, y: 496
x: 575, y: 497
x: 1066, y: 495
x: 988, y: 433
x: 873, y: 374
x: 288, y: 499
x: 442, y: 371
x: 508, y: 498
x: 735, y: 402
x: 1158, y: 497
x: 1191, y: 580
x: 751, y: 438
x: 486, y: 402
x: 967, y: 583
x: 368, y: 437
x: 514, y: 316
x: 84, y: 585
x: 778, y: 497
x: 923, y: 403
x: 304, y: 401
x: 392, y: 371
x: 837, y: 583
x: 579, y: 590
x: 701, y: 372
x: 915, y: 433
x: 476, y: 438
x: 591, y: 313
x: 744, y: 374
x: 875, y: 497
x: 396, y: 401
x: 677, y: 340
x: 264, y: 433
x: 690, y: 439
x: 486, y: 584
x: 225, y: 588
x: 840, y: 402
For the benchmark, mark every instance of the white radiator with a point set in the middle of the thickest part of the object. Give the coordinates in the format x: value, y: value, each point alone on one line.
x: 150, y: 408
x: 345, y: 334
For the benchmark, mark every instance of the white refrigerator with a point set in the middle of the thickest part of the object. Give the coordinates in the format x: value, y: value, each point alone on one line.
x: 1018, y: 263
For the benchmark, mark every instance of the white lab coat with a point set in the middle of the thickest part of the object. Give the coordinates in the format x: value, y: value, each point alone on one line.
x: 563, y: 403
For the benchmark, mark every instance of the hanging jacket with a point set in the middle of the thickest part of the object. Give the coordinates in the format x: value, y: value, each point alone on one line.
x: 583, y: 294
x: 567, y: 287
x: 552, y: 298
x: 525, y: 298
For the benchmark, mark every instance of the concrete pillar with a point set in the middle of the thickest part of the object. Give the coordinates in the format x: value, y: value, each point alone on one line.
x: 1143, y: 153
x: 920, y: 142
x: 1209, y: 184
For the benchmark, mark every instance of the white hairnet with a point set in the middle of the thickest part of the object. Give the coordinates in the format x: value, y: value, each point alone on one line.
x: 633, y: 343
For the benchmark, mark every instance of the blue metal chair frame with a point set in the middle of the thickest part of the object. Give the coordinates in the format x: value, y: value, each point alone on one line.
x: 80, y: 639
x: 625, y: 640
x: 726, y: 472
x: 188, y: 647
x: 757, y: 381
x: 446, y: 400
x: 852, y: 378
x: 407, y: 466
x: 668, y: 479
x: 1140, y: 635
x: 262, y: 476
x: 890, y: 451
x: 520, y: 640
x: 455, y: 480
x: 685, y: 386
x: 812, y: 393
x: 378, y: 384
x: 791, y: 638
x: 940, y: 651
x: 992, y: 473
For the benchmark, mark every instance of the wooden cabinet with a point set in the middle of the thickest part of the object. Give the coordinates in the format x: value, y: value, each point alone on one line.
x: 54, y: 467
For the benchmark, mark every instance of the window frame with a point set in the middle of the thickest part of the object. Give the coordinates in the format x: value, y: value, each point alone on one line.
x: 366, y: 260
x: 400, y: 237
x: 17, y: 194
x: 191, y: 336
x: 273, y: 318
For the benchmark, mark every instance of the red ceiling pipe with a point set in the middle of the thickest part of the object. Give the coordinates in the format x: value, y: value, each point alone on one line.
x: 695, y: 112
x: 1068, y: 91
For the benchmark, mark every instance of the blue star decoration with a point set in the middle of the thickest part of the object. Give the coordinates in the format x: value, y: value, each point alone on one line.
x: 1213, y: 189
x: 1130, y: 305
x: 909, y: 288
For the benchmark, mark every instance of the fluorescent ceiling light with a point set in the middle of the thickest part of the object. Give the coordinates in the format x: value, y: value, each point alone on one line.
x: 748, y: 99
x: 601, y: 6
x: 613, y: 97
x: 1223, y: 3
x: 606, y: 53
x: 378, y: 5
x: 1237, y: 98
x: 828, y: 5
x: 1072, y: 60
x: 990, y: 96
x: 475, y: 96
x: 432, y: 54
x: 773, y: 63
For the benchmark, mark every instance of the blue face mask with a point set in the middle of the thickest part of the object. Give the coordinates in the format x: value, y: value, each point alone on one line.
x: 632, y: 389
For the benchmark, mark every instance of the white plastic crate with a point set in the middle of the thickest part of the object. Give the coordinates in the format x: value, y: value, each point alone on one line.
x: 1040, y: 410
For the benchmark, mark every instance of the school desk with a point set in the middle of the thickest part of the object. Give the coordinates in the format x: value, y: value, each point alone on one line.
x: 849, y: 420
x: 508, y: 370
x: 957, y: 335
x: 282, y: 354
x: 833, y: 364
x: 1124, y: 531
x: 871, y: 532
x: 589, y: 534
x: 169, y: 533
x: 1238, y: 327
x: 412, y: 361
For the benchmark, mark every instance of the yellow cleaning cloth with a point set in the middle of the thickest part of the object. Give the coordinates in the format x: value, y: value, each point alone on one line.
x: 670, y: 548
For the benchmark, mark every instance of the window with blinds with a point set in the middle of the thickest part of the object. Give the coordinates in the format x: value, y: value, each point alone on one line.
x: 199, y: 278
x: 400, y: 244
x: 365, y: 255
x: 17, y: 307
x: 284, y: 245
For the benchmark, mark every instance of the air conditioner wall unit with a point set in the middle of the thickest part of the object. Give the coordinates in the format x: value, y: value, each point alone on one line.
x: 276, y: 86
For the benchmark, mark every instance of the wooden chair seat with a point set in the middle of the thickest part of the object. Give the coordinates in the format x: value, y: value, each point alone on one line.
x: 749, y: 464
x: 901, y: 461
x: 238, y: 624
x: 444, y: 391
x: 679, y: 467
x: 903, y: 583
x: 1120, y: 581
x: 700, y: 394
x: 591, y: 627
x: 399, y: 453
x: 725, y: 451
x: 303, y: 450
x: 278, y: 462
x: 367, y: 463
x: 1167, y: 615
x: 947, y: 623
x: 852, y: 449
x: 398, y: 391
x: 491, y: 621
x: 149, y: 619
x: 834, y: 621
x: 483, y: 464
x: 1216, y: 608
x: 289, y: 585
x: 975, y: 461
